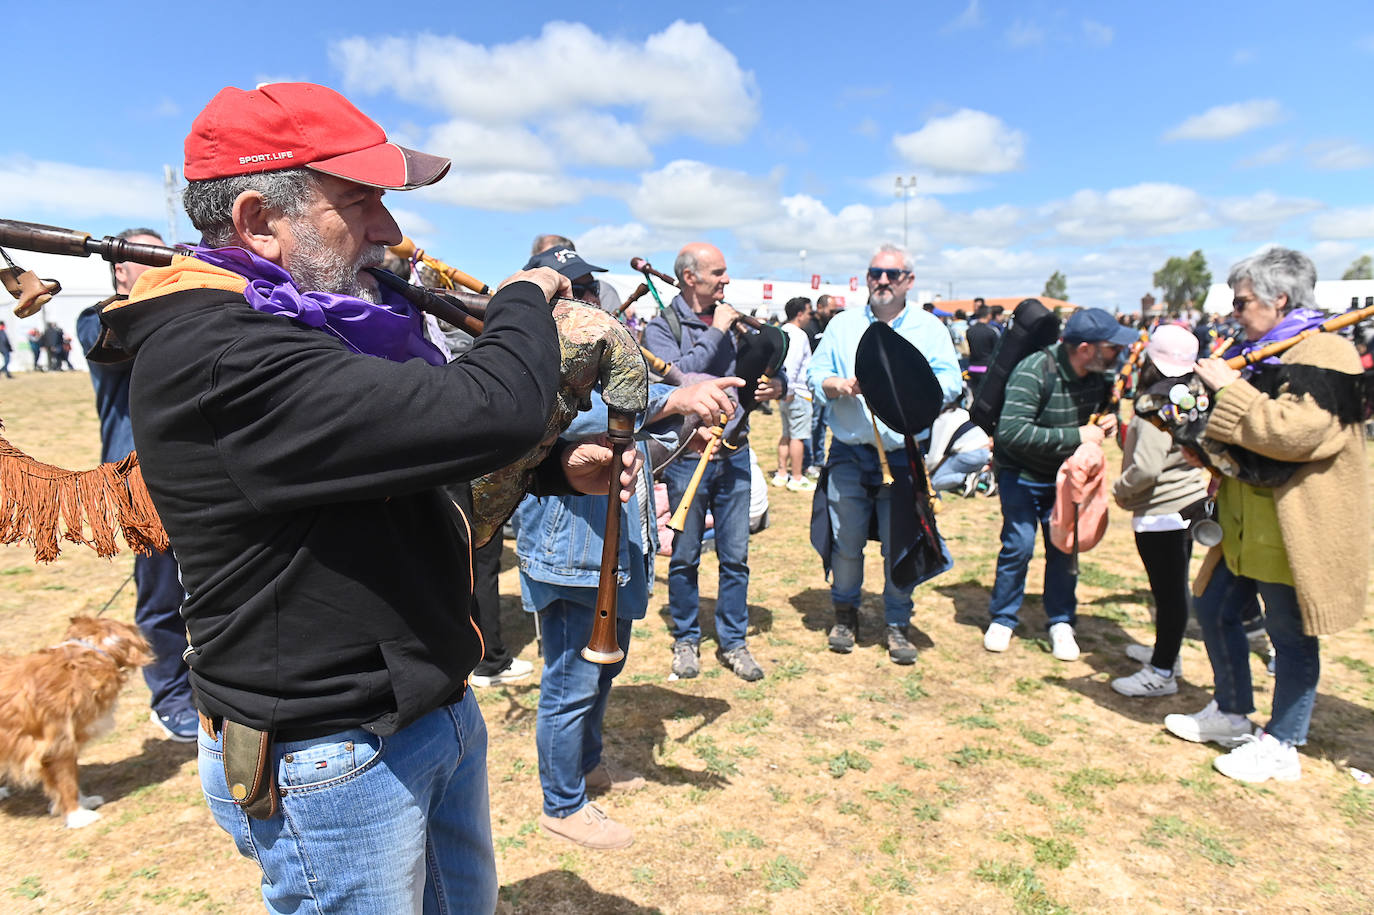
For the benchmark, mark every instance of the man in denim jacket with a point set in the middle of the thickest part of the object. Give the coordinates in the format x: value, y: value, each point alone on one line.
x: 559, y: 544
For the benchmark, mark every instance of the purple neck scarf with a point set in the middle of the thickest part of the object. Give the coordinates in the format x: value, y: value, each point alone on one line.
x: 1292, y: 324
x: 392, y: 330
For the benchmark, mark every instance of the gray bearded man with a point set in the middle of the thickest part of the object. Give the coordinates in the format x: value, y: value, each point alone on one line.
x: 295, y: 428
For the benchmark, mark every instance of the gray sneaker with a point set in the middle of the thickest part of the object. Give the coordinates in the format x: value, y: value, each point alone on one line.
x: 899, y: 647
x: 686, y: 659
x: 845, y: 630
x: 741, y: 662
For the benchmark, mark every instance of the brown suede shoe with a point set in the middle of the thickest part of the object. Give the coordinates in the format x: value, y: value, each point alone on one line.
x: 603, y: 778
x: 589, y: 827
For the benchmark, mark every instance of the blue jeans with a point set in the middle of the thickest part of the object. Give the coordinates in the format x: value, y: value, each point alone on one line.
x: 854, y: 491
x: 1027, y: 506
x: 724, y: 490
x: 951, y: 473
x: 572, y: 704
x: 372, y: 824
x: 157, y: 613
x: 1297, y: 663
x: 815, y: 448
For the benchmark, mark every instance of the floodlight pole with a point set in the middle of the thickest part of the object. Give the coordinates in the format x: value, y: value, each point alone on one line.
x: 904, y: 190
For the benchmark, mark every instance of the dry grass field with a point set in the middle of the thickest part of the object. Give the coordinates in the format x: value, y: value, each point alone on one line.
x: 968, y: 783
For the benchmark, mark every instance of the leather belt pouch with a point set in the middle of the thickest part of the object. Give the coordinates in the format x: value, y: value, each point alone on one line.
x: 247, y: 755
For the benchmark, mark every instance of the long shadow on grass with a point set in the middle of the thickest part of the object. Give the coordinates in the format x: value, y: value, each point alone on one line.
x: 818, y: 615
x: 159, y: 761
x: 563, y: 891
x: 636, y: 717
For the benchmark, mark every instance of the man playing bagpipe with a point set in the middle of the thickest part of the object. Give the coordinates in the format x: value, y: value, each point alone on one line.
x: 294, y: 427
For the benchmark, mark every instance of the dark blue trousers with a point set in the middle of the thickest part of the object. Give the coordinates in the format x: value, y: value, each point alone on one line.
x: 158, y: 615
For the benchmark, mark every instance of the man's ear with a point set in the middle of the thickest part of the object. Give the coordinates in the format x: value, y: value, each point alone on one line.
x: 1281, y: 303
x: 257, y: 228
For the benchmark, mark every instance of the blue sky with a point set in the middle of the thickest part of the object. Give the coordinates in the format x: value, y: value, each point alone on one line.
x: 1090, y: 138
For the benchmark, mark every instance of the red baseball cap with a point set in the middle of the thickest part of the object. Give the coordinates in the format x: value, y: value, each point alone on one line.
x: 290, y: 125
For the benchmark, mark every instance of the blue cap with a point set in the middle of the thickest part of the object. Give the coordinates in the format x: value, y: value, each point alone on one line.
x: 1093, y: 325
x: 565, y: 260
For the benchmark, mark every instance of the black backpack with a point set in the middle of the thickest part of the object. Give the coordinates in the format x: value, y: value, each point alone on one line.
x: 1033, y: 328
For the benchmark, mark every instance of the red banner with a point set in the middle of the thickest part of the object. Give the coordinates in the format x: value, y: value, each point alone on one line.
x: 815, y: 281
x: 853, y: 284
x: 838, y: 300
x: 768, y: 292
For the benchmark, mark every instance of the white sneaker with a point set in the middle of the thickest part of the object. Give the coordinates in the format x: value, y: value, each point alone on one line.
x: 800, y: 485
x: 1144, y: 654
x: 1062, y: 644
x: 1259, y: 758
x: 517, y: 670
x: 997, y: 638
x: 1211, y: 725
x: 1145, y: 682
x: 780, y: 479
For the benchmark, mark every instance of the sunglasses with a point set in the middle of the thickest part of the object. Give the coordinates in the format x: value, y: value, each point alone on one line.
x: 578, y: 290
x: 893, y: 274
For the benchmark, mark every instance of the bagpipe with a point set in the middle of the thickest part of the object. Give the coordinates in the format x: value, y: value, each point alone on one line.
x: 595, y: 349
x: 760, y: 349
x: 1182, y: 407
x: 900, y: 389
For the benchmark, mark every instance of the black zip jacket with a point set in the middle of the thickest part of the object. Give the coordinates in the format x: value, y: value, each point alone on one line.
x: 328, y: 579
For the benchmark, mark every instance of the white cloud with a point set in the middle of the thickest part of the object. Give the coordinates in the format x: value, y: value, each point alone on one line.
x: 1024, y: 33
x: 78, y: 192
x: 967, y: 142
x: 997, y: 226
x: 686, y: 194
x: 591, y: 138
x: 1277, y: 154
x: 834, y: 242
x: 1226, y: 121
x: 612, y: 243
x: 508, y: 191
x: 970, y: 18
x: 1242, y: 56
x: 412, y: 224
x: 1340, y: 155
x: 680, y: 80
x: 1151, y: 208
x: 1264, y: 208
x: 1332, y: 257
x: 1098, y: 34
x: 1351, y: 222
x: 481, y: 147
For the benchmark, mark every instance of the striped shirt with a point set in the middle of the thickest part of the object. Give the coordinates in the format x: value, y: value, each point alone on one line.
x: 1036, y: 441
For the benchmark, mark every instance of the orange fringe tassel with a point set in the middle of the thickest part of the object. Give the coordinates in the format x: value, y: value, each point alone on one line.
x: 37, y: 501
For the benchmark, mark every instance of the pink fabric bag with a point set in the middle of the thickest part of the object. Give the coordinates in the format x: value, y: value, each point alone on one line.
x: 1082, y: 481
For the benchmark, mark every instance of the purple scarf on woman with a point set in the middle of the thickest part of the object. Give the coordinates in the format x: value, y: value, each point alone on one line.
x: 1292, y: 324
x: 392, y: 330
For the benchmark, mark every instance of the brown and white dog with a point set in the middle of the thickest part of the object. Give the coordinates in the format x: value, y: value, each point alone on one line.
x: 54, y: 701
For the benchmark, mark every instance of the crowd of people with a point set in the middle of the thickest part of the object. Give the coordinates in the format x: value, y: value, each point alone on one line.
x: 310, y: 441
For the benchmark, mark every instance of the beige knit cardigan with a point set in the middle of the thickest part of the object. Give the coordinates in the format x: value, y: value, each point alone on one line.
x: 1323, y: 509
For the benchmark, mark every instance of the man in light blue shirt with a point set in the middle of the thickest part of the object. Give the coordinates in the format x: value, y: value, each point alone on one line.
x: 851, y: 486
